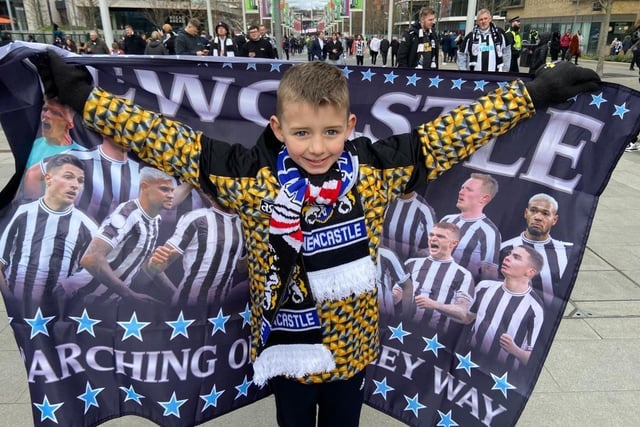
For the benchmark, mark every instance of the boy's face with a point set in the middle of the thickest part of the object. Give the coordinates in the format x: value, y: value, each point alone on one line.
x: 313, y: 136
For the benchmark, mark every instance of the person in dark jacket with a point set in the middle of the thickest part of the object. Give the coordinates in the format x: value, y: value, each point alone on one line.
x: 554, y: 45
x: 395, y: 45
x: 317, y: 47
x: 155, y: 46
x: 257, y: 46
x: 419, y: 45
x: 539, y: 57
x: 384, y: 50
x: 133, y: 43
x: 189, y: 42
x: 169, y: 39
x: 333, y: 49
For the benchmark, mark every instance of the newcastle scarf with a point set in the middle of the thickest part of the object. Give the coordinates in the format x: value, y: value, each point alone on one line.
x: 319, y: 246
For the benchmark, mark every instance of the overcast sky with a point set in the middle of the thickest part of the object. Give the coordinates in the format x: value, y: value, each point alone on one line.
x: 307, y: 4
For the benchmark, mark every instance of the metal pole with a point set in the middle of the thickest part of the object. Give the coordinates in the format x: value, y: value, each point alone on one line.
x: 209, y: 18
x: 13, y: 27
x: 390, y: 23
x: 471, y: 15
x: 364, y: 14
x: 277, y: 25
x: 106, y: 23
x: 244, y: 16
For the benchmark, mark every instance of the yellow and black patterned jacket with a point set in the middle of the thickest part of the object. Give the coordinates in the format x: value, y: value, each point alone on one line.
x: 243, y: 179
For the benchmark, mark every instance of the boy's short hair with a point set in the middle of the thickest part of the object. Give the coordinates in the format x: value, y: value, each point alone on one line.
x: 317, y: 83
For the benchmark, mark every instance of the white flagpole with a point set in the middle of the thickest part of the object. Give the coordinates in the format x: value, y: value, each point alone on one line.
x: 106, y: 23
x: 364, y: 13
x: 244, y: 16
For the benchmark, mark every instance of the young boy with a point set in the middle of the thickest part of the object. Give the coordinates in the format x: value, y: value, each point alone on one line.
x: 312, y: 206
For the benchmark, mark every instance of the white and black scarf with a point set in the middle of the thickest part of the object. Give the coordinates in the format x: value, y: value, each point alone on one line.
x: 485, y: 49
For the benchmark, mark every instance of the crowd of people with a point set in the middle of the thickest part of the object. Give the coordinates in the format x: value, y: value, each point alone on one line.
x: 487, y: 47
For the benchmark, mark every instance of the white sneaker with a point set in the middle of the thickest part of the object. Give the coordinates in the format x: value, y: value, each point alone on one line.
x: 633, y: 146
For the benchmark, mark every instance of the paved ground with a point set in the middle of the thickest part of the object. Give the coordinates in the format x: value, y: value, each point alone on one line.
x: 590, y: 375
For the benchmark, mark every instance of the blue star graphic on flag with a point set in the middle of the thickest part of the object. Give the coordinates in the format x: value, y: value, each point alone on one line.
x: 382, y: 388
x: 435, y: 81
x: 243, y: 389
x: 85, y: 323
x: 227, y: 65
x: 172, y: 407
x: 39, y: 324
x: 246, y: 315
x: 398, y: 333
x: 502, y: 85
x: 413, y: 405
x: 597, y: 100
x: 346, y: 71
x: 275, y: 66
x: 446, y: 420
x: 390, y: 77
x: 218, y: 322
x: 367, y: 75
x: 413, y: 79
x: 465, y: 363
x: 131, y: 394
x: 433, y: 345
x: 251, y: 65
x: 502, y: 384
x: 457, y: 84
x: 480, y: 84
x: 621, y: 110
x: 48, y: 410
x: 133, y: 328
x: 89, y: 397
x: 179, y: 326
x: 211, y: 399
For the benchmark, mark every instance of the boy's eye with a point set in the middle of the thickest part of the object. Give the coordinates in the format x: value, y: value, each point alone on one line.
x: 332, y: 132
x: 300, y: 133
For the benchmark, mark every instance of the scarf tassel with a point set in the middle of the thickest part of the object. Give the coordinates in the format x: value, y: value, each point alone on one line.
x: 340, y: 282
x: 292, y: 360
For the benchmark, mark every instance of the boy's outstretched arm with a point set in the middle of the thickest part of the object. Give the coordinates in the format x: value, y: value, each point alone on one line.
x: 454, y: 136
x: 166, y: 144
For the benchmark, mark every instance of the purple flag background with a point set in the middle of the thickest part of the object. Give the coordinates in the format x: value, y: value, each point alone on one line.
x: 189, y: 364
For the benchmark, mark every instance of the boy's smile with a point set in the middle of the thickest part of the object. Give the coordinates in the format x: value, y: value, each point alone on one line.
x: 314, y: 136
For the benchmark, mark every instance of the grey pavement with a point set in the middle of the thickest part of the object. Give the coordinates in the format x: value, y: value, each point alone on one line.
x: 589, y: 377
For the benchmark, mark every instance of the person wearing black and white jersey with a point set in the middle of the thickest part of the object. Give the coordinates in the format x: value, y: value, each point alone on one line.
x: 541, y: 214
x: 124, y: 242
x: 479, y: 247
x: 484, y: 48
x: 41, y: 246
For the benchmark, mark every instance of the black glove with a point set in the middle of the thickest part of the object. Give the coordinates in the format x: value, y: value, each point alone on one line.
x: 71, y: 84
x: 556, y: 82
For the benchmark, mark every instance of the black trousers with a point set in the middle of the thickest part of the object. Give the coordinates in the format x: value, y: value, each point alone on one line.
x: 338, y: 403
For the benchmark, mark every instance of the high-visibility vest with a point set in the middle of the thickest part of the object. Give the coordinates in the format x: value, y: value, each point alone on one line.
x: 517, y: 40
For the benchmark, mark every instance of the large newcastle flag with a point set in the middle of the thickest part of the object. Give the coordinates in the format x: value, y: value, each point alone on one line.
x: 91, y: 356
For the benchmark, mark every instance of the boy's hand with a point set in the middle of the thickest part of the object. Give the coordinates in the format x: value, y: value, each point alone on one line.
x: 556, y: 82
x: 71, y: 84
